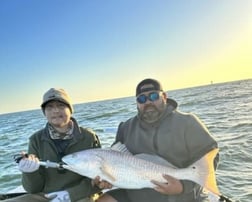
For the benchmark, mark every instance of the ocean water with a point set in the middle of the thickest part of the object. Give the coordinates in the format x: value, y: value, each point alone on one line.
x: 225, y: 108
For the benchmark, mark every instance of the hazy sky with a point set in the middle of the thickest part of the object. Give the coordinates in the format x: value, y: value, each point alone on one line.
x: 101, y: 49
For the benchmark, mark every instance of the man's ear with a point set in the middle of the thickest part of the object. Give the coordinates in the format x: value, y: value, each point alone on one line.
x: 164, y: 96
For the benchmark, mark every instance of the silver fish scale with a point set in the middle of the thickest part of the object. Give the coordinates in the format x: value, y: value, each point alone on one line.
x: 120, y: 169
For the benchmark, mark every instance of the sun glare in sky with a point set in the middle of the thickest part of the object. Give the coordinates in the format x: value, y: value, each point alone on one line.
x: 98, y: 51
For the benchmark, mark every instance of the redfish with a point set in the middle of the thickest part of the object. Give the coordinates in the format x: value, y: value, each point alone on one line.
x: 124, y: 170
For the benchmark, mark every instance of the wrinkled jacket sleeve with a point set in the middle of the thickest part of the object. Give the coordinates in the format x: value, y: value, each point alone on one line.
x: 83, y: 189
x: 119, y: 135
x: 199, y: 142
x: 33, y: 182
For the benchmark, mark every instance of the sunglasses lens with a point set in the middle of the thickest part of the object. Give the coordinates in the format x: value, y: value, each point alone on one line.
x: 153, y: 96
x: 141, y: 99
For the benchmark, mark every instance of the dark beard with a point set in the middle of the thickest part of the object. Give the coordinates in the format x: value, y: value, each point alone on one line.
x: 153, y: 115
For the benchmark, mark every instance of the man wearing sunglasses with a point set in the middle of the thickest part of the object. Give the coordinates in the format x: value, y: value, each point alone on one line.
x: 160, y: 129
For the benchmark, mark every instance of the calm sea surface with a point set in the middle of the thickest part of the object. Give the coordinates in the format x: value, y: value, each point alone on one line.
x: 225, y: 108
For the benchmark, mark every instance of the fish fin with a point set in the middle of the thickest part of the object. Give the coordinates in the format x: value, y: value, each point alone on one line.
x: 155, y: 159
x: 120, y: 147
x: 107, y: 171
x: 206, y: 172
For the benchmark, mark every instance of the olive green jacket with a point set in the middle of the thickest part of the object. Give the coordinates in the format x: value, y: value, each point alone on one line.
x: 51, y: 179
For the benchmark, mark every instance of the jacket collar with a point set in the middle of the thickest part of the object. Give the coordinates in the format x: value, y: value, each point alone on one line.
x: 76, y: 131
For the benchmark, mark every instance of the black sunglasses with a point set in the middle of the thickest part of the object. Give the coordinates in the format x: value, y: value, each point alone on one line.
x: 153, y: 96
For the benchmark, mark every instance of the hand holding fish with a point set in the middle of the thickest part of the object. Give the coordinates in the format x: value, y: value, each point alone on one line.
x: 102, y: 184
x: 172, y: 186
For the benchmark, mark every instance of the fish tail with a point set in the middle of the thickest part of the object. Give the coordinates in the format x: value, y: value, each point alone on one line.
x: 205, y: 172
